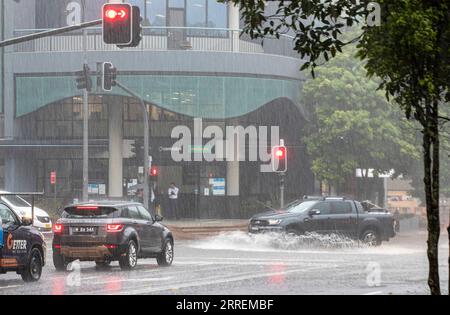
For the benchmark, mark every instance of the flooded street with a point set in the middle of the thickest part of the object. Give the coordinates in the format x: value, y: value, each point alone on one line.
x: 236, y: 263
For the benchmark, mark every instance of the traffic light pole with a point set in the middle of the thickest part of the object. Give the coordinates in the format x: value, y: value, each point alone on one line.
x: 146, y: 141
x: 58, y: 31
x: 282, y: 181
x: 85, y: 128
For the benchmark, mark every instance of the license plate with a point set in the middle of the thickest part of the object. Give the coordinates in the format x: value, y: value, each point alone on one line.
x: 254, y: 228
x: 84, y: 230
x: 48, y: 226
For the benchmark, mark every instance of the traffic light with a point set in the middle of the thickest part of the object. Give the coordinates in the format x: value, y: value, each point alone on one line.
x: 122, y: 24
x: 279, y: 159
x: 136, y: 28
x: 84, y: 80
x: 109, y: 76
x: 154, y: 172
x: 117, y: 23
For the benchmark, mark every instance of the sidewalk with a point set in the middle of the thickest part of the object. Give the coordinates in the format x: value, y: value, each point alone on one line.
x: 195, y: 229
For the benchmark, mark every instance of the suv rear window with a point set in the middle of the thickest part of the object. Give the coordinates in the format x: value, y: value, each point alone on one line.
x: 90, y: 211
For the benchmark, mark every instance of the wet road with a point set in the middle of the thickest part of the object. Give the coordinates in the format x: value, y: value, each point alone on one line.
x: 235, y: 263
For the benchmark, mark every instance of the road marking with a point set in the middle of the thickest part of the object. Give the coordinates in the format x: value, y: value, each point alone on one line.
x: 12, y: 286
x: 373, y: 293
x: 228, y: 279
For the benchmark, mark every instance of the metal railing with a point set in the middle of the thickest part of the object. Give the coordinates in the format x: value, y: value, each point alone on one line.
x: 163, y: 39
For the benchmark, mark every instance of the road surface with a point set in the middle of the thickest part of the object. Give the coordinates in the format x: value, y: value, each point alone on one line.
x: 235, y: 263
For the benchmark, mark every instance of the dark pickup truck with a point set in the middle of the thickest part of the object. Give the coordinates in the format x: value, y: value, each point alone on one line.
x: 326, y: 216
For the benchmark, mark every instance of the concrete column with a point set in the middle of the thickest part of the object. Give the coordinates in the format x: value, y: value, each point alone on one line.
x: 233, y: 23
x: 233, y: 179
x: 115, y: 113
x: 233, y: 16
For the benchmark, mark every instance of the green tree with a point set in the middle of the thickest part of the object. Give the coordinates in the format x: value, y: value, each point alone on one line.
x: 409, y: 51
x: 354, y: 126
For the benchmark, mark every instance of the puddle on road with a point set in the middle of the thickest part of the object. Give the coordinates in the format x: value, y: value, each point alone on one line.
x: 313, y: 242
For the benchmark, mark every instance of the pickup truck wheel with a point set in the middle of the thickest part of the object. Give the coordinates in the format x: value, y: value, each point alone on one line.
x: 371, y: 237
x: 129, y: 260
x: 293, y: 232
x: 165, y: 258
x: 33, y: 270
x: 60, y: 262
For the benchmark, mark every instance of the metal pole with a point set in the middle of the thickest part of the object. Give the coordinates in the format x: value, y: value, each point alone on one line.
x: 282, y: 191
x: 146, y: 141
x: 43, y: 34
x: 85, y: 128
x: 32, y: 210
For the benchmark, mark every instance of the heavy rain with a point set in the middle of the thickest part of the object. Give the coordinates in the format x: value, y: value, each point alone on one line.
x: 224, y: 147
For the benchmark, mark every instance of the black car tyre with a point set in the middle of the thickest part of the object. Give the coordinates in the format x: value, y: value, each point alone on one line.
x: 129, y: 260
x: 165, y: 258
x: 293, y: 232
x: 371, y: 237
x: 60, y: 262
x: 33, y: 269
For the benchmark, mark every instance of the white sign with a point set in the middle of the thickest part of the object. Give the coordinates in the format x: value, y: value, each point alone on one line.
x: 74, y: 13
x: 370, y: 173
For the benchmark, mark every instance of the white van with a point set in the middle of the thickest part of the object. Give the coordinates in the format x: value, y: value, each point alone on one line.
x: 22, y: 208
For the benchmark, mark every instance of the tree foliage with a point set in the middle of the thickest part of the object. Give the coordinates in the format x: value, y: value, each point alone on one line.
x: 353, y: 125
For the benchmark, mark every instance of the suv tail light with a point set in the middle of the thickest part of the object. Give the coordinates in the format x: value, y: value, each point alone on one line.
x: 58, y: 228
x: 114, y: 228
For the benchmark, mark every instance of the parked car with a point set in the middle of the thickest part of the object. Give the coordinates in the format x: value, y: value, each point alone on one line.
x: 110, y: 231
x: 22, y: 246
x: 326, y: 216
x: 22, y: 208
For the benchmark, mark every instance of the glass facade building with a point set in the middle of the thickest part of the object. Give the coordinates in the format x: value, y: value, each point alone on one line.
x: 192, y: 63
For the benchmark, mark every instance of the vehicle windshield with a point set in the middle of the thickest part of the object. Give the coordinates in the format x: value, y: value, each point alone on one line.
x: 89, y: 212
x: 301, y: 206
x: 16, y: 201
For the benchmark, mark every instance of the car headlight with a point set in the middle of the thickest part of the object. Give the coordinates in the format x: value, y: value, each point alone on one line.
x: 274, y: 222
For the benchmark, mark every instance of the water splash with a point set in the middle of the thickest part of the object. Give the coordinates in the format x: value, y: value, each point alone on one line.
x: 276, y: 241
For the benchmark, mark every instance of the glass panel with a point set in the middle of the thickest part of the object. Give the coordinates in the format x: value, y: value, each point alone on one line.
x: 155, y: 13
x: 196, y: 13
x: 217, y: 14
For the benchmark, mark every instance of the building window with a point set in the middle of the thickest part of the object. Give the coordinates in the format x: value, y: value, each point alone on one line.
x: 196, y: 13
x: 64, y: 120
x: 155, y: 13
x: 217, y: 14
x: 208, y: 14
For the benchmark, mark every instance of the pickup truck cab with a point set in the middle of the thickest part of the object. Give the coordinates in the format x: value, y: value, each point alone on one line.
x: 327, y: 216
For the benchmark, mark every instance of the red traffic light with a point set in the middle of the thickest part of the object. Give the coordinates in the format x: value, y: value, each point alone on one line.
x: 154, y: 171
x: 117, y: 24
x: 279, y: 159
x: 116, y: 13
x: 280, y: 153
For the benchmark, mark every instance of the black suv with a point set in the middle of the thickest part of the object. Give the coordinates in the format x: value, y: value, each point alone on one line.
x: 22, y: 248
x: 325, y: 216
x: 109, y: 231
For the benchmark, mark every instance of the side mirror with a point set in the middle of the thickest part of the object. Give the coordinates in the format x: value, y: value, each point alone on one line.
x: 158, y: 218
x: 27, y: 221
x: 314, y: 212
